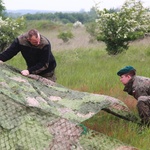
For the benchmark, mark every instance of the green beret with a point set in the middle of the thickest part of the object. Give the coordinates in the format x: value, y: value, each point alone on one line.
x: 125, y: 70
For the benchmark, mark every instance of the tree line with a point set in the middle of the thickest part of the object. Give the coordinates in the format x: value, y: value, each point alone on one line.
x: 64, y: 17
x: 117, y: 28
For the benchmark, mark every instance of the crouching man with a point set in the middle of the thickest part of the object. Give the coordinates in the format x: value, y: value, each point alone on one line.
x: 139, y: 88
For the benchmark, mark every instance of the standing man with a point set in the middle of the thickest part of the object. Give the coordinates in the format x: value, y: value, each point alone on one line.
x: 139, y: 88
x: 36, y: 50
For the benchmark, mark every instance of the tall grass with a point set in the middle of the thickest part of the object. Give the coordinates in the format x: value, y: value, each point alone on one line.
x: 87, y: 67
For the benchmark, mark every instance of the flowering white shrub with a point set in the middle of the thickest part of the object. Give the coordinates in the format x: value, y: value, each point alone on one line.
x: 9, y: 29
x: 77, y: 24
x: 119, y: 28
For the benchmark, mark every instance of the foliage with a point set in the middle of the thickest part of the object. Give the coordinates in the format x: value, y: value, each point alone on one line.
x: 46, y: 25
x: 77, y: 24
x: 2, y: 7
x: 65, y: 36
x: 117, y: 29
x: 9, y: 29
x: 91, y: 69
x: 91, y: 29
x: 64, y: 17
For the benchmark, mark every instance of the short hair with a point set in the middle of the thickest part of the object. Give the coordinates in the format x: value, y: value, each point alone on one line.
x: 33, y: 32
x: 131, y: 73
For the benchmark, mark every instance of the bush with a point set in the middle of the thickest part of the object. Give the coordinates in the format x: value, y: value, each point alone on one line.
x: 65, y: 36
x: 9, y: 29
x: 117, y: 29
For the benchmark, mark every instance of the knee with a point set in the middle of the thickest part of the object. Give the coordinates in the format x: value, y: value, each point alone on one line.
x: 143, y: 98
x: 140, y: 104
x: 143, y: 103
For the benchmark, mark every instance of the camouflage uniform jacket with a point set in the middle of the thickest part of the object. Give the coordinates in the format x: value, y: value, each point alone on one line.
x: 138, y: 86
x: 39, y: 59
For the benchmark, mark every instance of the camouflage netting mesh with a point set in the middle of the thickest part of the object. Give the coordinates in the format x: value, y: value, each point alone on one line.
x: 37, y: 114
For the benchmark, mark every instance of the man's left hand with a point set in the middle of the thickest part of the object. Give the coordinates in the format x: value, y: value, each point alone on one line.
x: 1, y: 62
x: 25, y: 72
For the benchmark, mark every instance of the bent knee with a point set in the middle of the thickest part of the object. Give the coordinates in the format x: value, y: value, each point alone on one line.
x: 143, y: 98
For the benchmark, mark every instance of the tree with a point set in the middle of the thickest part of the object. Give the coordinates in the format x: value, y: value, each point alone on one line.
x: 117, y: 29
x: 9, y: 29
x: 2, y: 7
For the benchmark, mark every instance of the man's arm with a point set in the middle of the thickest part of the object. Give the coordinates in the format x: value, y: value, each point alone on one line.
x: 43, y: 62
x: 10, y: 51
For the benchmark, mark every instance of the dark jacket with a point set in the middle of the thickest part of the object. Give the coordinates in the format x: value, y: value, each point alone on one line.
x: 39, y: 59
x: 138, y: 86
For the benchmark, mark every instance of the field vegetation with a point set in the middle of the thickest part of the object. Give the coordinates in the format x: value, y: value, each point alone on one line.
x: 84, y: 65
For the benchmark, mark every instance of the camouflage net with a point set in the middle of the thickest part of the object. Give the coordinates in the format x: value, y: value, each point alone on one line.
x: 37, y: 114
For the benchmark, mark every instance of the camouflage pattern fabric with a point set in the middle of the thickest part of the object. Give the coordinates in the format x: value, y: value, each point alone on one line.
x: 38, y: 114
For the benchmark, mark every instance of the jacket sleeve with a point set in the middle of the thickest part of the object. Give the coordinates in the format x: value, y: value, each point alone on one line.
x: 140, y: 91
x: 10, y: 51
x: 45, y: 58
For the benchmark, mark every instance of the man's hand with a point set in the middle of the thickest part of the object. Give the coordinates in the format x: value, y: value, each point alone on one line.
x: 1, y: 62
x: 25, y: 72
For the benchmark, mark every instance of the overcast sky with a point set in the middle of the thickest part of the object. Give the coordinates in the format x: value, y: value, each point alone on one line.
x: 64, y: 5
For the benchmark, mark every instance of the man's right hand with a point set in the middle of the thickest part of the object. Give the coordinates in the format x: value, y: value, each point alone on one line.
x: 25, y: 72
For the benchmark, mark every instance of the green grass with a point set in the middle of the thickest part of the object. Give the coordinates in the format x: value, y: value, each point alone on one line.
x: 90, y: 69
x: 95, y: 70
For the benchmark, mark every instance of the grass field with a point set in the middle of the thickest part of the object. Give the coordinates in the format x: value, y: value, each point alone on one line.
x: 86, y: 66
